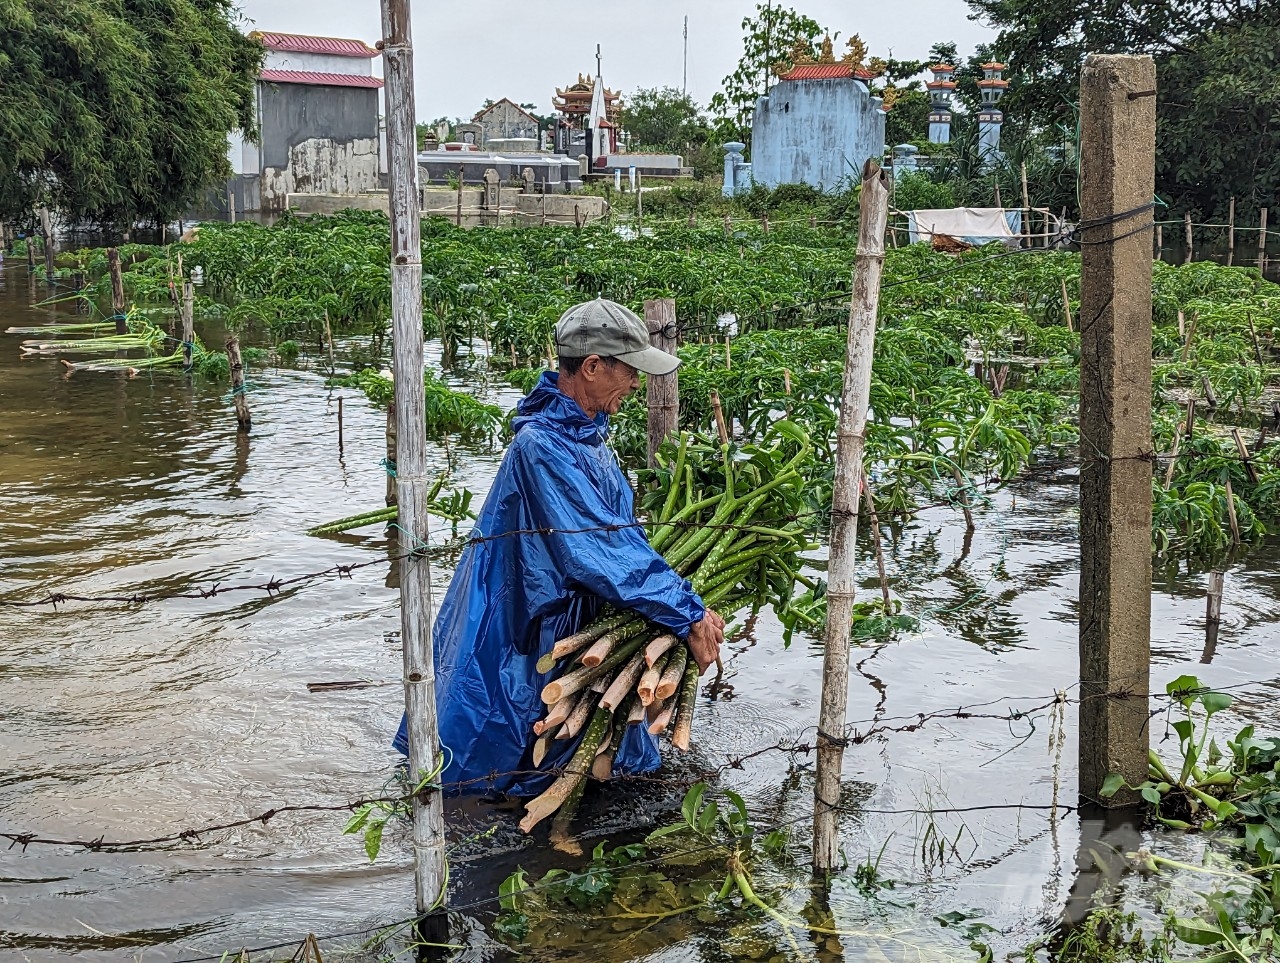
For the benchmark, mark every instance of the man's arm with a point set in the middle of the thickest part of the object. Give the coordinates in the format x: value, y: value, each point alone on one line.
x: 612, y: 559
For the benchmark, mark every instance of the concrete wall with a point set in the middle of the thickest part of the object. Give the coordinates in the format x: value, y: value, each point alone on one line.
x: 317, y: 139
x: 504, y: 120
x: 323, y: 63
x: 517, y: 208
x: 817, y: 132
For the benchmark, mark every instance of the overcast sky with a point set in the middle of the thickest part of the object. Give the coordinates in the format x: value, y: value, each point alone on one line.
x: 465, y: 52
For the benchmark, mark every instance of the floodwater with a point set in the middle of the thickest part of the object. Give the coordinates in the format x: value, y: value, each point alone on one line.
x: 134, y: 721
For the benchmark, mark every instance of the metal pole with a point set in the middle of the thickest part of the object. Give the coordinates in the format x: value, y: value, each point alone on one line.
x: 844, y: 515
x: 411, y: 482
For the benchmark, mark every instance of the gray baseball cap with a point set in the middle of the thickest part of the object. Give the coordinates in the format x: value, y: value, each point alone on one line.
x: 608, y: 329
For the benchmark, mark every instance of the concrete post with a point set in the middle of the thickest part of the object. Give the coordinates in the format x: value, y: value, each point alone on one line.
x: 732, y: 160
x: 1118, y: 120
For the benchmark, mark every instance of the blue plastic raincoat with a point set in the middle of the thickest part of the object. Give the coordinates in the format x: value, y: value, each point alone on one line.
x: 512, y: 598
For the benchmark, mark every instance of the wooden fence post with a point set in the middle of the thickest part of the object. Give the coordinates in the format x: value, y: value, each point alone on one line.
x: 1262, y: 240
x: 117, y: 288
x: 1118, y: 176
x: 1190, y: 240
x: 1212, y: 615
x: 46, y: 229
x: 1026, y: 208
x: 243, y: 421
x: 662, y: 391
x: 841, y: 584
x: 430, y: 871
x: 188, y: 324
x: 1231, y: 231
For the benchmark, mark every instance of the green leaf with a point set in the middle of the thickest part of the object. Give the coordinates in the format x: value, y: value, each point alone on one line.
x: 693, y: 802
x: 1111, y: 785
x: 1151, y: 794
x: 373, y: 839
x: 1214, y: 702
x: 1181, y: 685
x: 1197, y: 932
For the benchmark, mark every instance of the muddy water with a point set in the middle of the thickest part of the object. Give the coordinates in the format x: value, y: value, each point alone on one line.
x: 136, y: 721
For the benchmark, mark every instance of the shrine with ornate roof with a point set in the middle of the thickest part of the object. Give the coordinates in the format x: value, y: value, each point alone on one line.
x: 820, y: 122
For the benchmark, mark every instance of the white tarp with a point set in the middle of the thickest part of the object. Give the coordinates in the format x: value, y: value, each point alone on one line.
x: 973, y: 225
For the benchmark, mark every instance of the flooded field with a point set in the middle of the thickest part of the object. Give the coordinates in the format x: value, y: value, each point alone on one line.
x: 134, y: 721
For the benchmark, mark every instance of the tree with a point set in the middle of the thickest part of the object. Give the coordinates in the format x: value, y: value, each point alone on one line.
x: 1217, y: 96
x: 908, y: 118
x: 663, y: 118
x: 119, y: 112
x: 772, y: 37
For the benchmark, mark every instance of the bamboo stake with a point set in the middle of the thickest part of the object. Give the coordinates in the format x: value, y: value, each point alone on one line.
x: 855, y: 396
x: 1173, y: 461
x: 657, y: 648
x: 339, y: 425
x: 649, y: 680
x: 672, y: 673
x: 624, y: 683
x: 328, y: 336
x: 962, y: 496
x: 719, y: 413
x: 685, y: 703
x: 1187, y: 259
x: 1159, y: 241
x: 1191, y: 336
x: 576, y: 771
x: 1262, y: 240
x: 1212, y: 615
x: 1231, y: 513
x: 430, y: 873
x: 869, y: 500
x: 46, y: 229
x: 390, y: 496
x: 1066, y: 304
x: 1231, y: 231
x: 1026, y: 208
x: 188, y: 324
x: 1257, y: 348
x: 662, y: 718
x: 1243, y: 451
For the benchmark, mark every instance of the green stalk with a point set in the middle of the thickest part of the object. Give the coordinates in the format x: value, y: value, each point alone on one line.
x: 669, y: 505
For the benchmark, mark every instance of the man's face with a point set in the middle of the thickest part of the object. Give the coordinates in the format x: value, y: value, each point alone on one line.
x: 613, y: 384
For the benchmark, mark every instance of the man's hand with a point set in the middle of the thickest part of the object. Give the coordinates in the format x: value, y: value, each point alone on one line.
x: 705, y: 639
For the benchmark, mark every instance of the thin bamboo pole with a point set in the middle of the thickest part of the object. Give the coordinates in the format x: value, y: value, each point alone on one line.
x: 46, y: 231
x: 1231, y: 231
x: 188, y: 324
x: 1262, y: 240
x: 430, y: 873
x: 1190, y: 242
x: 841, y: 584
x: 1026, y: 208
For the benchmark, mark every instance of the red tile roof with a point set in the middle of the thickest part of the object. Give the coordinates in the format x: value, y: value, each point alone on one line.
x: 317, y: 79
x: 824, y: 72
x: 300, y: 43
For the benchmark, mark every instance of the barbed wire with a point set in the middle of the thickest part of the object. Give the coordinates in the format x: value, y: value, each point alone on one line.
x: 854, y: 735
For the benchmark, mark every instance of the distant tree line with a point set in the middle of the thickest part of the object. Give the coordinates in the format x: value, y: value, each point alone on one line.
x: 119, y: 112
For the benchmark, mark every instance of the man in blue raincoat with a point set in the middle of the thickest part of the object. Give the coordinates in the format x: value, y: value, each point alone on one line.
x: 513, y: 596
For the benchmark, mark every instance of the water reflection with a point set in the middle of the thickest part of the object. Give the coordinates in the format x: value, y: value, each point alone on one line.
x: 131, y: 720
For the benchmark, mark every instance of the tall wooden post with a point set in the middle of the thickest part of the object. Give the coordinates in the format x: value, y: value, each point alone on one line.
x: 1118, y: 118
x: 662, y: 391
x: 46, y: 229
x: 430, y: 874
x: 243, y: 421
x: 31, y: 255
x: 850, y: 442
x: 188, y: 324
x: 1190, y: 241
x: 1026, y: 208
x: 457, y: 216
x: 117, y: 288
x: 1231, y: 231
x: 1262, y: 240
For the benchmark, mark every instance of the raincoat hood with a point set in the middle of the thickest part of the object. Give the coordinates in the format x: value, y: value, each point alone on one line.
x: 556, y: 410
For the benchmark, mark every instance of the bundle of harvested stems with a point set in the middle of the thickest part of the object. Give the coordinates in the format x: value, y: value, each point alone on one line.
x: 727, y: 521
